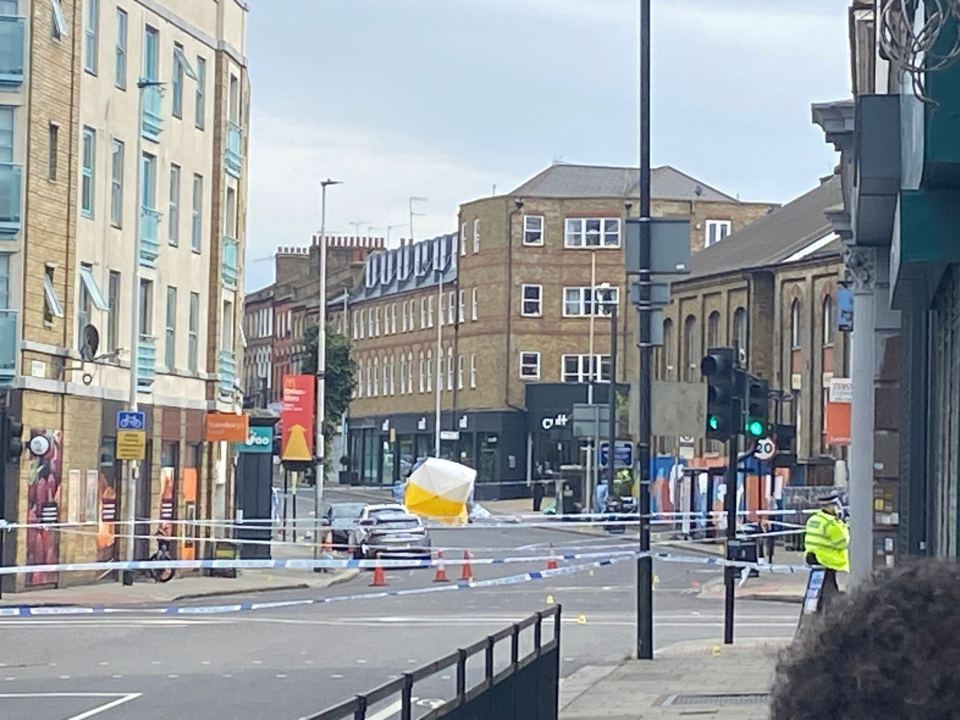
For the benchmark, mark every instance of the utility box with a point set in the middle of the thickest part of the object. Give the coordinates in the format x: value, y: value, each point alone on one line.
x: 254, y: 483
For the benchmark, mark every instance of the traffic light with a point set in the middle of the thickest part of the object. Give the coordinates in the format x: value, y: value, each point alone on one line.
x: 755, y: 396
x: 723, y: 410
x: 11, y: 439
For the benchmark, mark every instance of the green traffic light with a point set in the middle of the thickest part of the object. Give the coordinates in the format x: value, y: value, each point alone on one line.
x: 713, y: 422
x: 755, y: 428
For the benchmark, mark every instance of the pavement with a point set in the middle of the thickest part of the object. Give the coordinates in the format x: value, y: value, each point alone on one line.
x: 289, y: 662
x: 690, y: 679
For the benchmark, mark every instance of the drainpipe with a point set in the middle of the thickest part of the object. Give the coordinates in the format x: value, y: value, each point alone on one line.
x: 518, y: 206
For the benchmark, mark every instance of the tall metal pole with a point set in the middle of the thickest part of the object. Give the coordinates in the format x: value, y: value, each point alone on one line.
x: 318, y: 474
x: 645, y: 564
x: 730, y: 507
x: 436, y: 449
x: 133, y: 466
x: 594, y: 447
x: 612, y: 430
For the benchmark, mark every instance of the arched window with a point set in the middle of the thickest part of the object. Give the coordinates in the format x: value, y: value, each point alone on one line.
x: 713, y: 329
x: 423, y: 371
x: 829, y: 328
x: 740, y: 329
x: 691, y: 349
x: 667, y: 361
x: 410, y: 372
x: 795, y: 325
x: 431, y: 370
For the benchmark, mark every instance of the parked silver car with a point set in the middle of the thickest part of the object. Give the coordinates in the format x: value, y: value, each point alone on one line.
x: 390, y: 533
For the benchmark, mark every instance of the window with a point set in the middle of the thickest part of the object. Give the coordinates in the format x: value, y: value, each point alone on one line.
x: 116, y: 183
x: 393, y: 318
x: 430, y: 311
x: 691, y: 350
x: 463, y: 239
x: 88, y: 171
x: 713, y: 329
x: 84, y: 303
x: 533, y: 229
x: 474, y: 315
x: 120, y: 70
x: 452, y: 307
x: 193, y: 330
x: 460, y: 306
x: 4, y: 281
x: 460, y: 364
x: 829, y: 328
x: 579, y: 302
x: 6, y: 134
x: 148, y: 196
x: 795, y: 324
x: 151, y: 53
x: 410, y: 372
x: 424, y: 371
x: 51, y: 303
x: 226, y: 337
x: 529, y: 366
x: 580, y: 369
x: 473, y: 370
x: 91, y: 22
x: 592, y: 232
x: 177, y: 84
x: 230, y: 213
x: 170, y: 346
x: 200, y: 99
x: 113, y: 317
x: 53, y: 150
x: 376, y: 322
x: 476, y: 235
x: 531, y: 300
x: 386, y: 376
x: 716, y: 231
x: 430, y: 370
x: 195, y: 224
x: 370, y: 323
x: 234, y: 99
x: 58, y: 26
x: 146, y: 307
x: 173, y: 222
x: 449, y: 367
x: 359, y: 326
x: 740, y: 329
x: 376, y: 377
x: 666, y: 352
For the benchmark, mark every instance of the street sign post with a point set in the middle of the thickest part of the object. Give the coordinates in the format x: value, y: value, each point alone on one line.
x: 131, y: 444
x: 131, y: 420
x: 622, y: 455
x: 766, y: 449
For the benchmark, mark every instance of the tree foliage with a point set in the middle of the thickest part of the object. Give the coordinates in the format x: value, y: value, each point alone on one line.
x: 340, y: 373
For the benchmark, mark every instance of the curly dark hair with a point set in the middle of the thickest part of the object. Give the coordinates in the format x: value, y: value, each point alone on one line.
x: 889, y: 649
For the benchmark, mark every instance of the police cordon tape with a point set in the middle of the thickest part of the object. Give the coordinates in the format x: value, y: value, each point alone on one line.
x: 249, y: 606
x: 351, y: 564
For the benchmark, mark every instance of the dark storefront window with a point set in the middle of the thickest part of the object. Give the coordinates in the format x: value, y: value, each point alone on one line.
x: 388, y: 460
x: 406, y: 445
x: 489, y: 460
x: 370, y: 455
x: 466, y: 449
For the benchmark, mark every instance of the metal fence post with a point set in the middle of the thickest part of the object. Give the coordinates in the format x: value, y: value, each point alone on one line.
x: 556, y: 626
x: 515, y: 645
x: 461, y: 674
x: 538, y: 632
x: 406, y: 697
x: 361, y: 712
x: 488, y: 671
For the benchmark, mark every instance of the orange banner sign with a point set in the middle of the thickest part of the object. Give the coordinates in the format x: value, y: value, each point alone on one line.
x: 224, y: 427
x: 297, y: 418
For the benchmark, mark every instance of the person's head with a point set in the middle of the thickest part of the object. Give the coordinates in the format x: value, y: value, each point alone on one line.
x: 829, y: 504
x: 886, y: 650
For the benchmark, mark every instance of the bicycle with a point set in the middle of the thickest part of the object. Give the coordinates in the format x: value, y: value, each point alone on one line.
x: 162, y: 575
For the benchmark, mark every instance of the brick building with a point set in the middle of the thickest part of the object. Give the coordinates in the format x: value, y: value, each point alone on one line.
x: 516, y: 310
x: 770, y: 288
x: 80, y: 210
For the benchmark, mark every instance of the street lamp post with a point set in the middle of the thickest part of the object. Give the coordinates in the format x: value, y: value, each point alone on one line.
x: 133, y: 466
x: 321, y: 363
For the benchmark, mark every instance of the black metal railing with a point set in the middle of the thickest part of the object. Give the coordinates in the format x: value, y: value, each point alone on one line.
x: 540, y: 652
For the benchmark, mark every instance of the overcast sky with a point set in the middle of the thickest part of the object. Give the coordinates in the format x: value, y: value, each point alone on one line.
x: 447, y: 98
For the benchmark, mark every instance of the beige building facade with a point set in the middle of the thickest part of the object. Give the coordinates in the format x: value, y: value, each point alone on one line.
x: 123, y: 187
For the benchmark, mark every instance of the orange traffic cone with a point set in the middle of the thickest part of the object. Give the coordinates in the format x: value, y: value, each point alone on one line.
x: 466, y: 573
x: 379, y: 577
x: 441, y: 574
x: 551, y: 561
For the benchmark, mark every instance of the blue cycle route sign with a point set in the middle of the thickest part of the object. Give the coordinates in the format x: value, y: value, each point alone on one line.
x: 622, y: 456
x: 131, y: 420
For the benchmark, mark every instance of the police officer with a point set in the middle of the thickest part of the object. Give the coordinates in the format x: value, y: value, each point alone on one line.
x: 827, y: 543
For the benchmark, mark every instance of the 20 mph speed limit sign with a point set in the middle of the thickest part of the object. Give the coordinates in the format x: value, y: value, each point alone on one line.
x: 766, y: 449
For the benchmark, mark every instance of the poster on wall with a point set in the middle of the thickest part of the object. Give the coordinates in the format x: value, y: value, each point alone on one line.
x: 90, y: 497
x: 73, y: 496
x: 43, y: 507
x: 107, y: 496
x: 297, y: 419
x: 167, y: 504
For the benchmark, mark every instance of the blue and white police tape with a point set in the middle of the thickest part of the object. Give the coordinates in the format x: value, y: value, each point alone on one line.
x: 248, y: 606
x: 295, y: 563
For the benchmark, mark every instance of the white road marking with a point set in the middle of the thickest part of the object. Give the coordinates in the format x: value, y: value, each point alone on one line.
x: 64, y: 677
x: 257, y: 662
x: 361, y: 662
x: 226, y: 675
x: 103, y: 663
x: 336, y: 676
x: 280, y: 676
x: 154, y: 662
x: 308, y: 662
x: 173, y: 676
x: 388, y: 712
x: 204, y: 662
x: 117, y: 677
x: 118, y: 699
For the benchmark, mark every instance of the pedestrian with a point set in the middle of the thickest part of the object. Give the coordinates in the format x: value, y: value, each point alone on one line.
x: 538, y: 492
x: 398, y: 491
x: 601, y: 496
x: 827, y: 543
x: 770, y: 526
x: 883, y: 652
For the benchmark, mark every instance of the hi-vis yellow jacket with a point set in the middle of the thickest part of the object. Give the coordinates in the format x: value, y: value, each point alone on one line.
x: 828, y: 538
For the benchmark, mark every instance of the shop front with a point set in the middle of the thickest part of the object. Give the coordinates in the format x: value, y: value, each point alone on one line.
x: 385, y: 449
